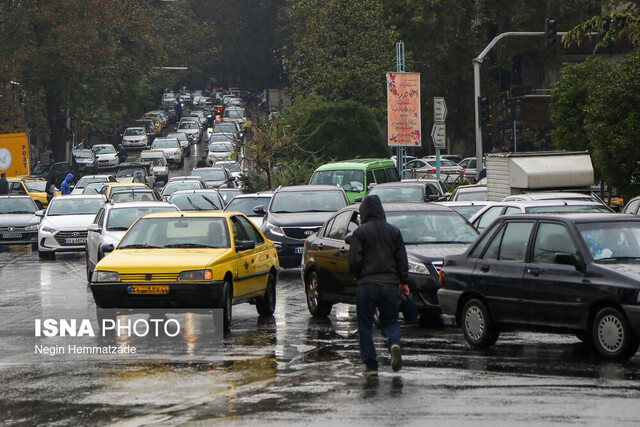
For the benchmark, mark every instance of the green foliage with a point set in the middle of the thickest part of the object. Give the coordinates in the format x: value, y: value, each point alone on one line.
x: 604, y: 101
x: 342, y: 130
x: 611, y: 27
x: 291, y: 173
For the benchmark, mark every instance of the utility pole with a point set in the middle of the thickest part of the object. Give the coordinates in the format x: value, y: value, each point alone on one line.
x: 400, y: 69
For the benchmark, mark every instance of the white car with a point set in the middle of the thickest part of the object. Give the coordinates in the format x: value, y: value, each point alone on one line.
x: 89, y: 179
x: 112, y: 222
x: 63, y: 226
x: 172, y: 150
x: 160, y: 168
x: 191, y: 128
x: 135, y: 137
x: 219, y: 151
x: 107, y: 156
x: 184, y: 141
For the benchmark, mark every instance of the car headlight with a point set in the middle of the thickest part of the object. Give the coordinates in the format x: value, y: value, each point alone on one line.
x: 105, y: 276
x: 31, y: 227
x: 274, y: 229
x: 417, y: 267
x: 195, y: 275
x: 48, y: 230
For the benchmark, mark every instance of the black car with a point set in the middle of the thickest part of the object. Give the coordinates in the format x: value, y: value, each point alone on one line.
x: 570, y: 273
x: 429, y: 231
x: 58, y: 170
x: 18, y: 221
x: 215, y: 177
x: 86, y: 161
x: 297, y: 212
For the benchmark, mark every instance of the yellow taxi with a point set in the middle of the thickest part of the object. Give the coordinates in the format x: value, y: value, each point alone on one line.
x: 111, y: 187
x: 31, y: 187
x: 157, y: 122
x: 189, y: 260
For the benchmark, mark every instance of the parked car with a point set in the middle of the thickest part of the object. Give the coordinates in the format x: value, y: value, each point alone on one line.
x: 485, y: 216
x: 107, y: 156
x: 89, y: 179
x: 111, y: 223
x: 200, y: 199
x: 566, y: 273
x: 86, y: 161
x: 18, y: 221
x: 219, y: 259
x: 430, y: 232
x: 135, y: 137
x: 63, y: 227
x: 407, y: 192
x: 215, y: 177
x: 297, y: 212
x: 246, y: 203
x: 172, y: 150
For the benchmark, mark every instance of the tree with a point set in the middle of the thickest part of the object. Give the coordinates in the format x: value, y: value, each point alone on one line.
x: 341, y: 50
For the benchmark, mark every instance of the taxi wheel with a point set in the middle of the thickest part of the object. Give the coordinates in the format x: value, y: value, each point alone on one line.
x: 227, y: 307
x: 477, y: 325
x: 612, y: 336
x: 317, y: 307
x: 267, y: 304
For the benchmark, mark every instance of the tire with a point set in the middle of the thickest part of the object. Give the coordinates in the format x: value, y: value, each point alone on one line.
x: 46, y: 255
x: 88, y: 267
x: 34, y: 247
x: 477, y: 325
x: 612, y: 336
x: 267, y: 304
x: 227, y: 308
x: 317, y: 307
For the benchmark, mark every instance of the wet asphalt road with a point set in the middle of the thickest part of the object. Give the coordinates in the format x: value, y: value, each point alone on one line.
x: 294, y: 369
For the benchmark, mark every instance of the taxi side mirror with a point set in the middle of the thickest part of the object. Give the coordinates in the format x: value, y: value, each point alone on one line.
x: 243, y: 245
x: 107, y: 248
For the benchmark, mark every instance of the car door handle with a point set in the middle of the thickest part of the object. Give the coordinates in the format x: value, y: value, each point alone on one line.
x: 484, y: 268
x: 533, y: 271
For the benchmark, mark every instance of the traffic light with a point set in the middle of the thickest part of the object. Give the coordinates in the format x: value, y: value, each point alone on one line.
x: 484, y: 112
x: 550, y: 32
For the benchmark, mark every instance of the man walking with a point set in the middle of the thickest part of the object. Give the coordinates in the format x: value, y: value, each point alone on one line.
x: 4, y: 184
x: 378, y: 259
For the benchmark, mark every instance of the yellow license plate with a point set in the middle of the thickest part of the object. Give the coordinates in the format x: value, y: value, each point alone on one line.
x: 148, y: 290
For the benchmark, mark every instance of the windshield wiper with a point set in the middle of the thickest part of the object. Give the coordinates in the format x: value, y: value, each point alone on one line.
x: 198, y: 208
x: 139, y: 246
x: 118, y: 228
x: 20, y: 212
x: 619, y: 258
x: 211, y: 202
x: 187, y: 245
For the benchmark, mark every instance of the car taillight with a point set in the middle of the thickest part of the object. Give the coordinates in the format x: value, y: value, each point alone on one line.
x: 432, y: 171
x: 441, y: 276
x: 462, y: 170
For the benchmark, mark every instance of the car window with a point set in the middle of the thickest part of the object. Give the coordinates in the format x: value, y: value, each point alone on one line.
x: 17, y: 188
x: 251, y: 231
x: 432, y: 190
x: 324, y: 231
x: 381, y: 177
x: 238, y: 231
x: 477, y: 250
x: 99, y: 217
x: 510, y: 244
x: 392, y: 174
x: 339, y: 226
x: 632, y: 207
x: 551, y: 239
x: 511, y: 210
x: 488, y: 217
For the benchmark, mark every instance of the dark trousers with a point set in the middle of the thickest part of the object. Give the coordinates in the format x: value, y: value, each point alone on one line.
x: 385, y: 299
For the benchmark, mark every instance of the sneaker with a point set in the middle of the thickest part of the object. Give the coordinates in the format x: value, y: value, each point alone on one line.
x: 370, y: 372
x: 396, y: 358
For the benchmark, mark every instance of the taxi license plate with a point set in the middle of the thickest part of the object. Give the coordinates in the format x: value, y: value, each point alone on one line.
x: 299, y: 250
x: 148, y: 290
x: 75, y: 240
x: 11, y: 235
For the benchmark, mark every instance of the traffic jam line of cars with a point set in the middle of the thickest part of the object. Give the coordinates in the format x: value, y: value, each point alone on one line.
x: 540, y: 262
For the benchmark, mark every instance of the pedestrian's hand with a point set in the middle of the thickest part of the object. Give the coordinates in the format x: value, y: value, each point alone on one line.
x: 403, y: 290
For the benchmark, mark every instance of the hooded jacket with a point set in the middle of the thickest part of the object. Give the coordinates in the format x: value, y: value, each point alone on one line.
x: 377, y: 255
x: 65, y: 188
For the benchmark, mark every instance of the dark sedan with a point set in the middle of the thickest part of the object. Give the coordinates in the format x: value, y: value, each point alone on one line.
x: 18, y: 221
x: 429, y: 231
x: 567, y: 273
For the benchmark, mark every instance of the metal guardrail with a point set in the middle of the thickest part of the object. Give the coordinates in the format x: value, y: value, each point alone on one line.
x: 455, y: 178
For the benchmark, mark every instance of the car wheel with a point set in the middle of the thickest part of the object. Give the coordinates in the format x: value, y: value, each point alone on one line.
x: 88, y: 267
x: 317, y: 307
x: 267, y: 304
x: 612, y: 336
x: 477, y: 325
x: 34, y: 247
x: 227, y: 306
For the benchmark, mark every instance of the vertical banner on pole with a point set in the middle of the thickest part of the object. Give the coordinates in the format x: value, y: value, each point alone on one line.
x: 403, y: 110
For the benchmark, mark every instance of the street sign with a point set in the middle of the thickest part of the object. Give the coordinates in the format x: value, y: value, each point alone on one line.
x: 439, y: 109
x: 439, y: 136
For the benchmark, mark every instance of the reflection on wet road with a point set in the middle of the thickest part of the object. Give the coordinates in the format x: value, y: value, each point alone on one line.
x: 295, y: 369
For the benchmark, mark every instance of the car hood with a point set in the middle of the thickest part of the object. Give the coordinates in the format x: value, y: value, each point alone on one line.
x: 435, y: 252
x: 299, y: 219
x: 18, y: 220
x: 629, y: 270
x: 106, y: 156
x: 112, y: 237
x: 68, y: 222
x: 133, y: 137
x: 130, y: 261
